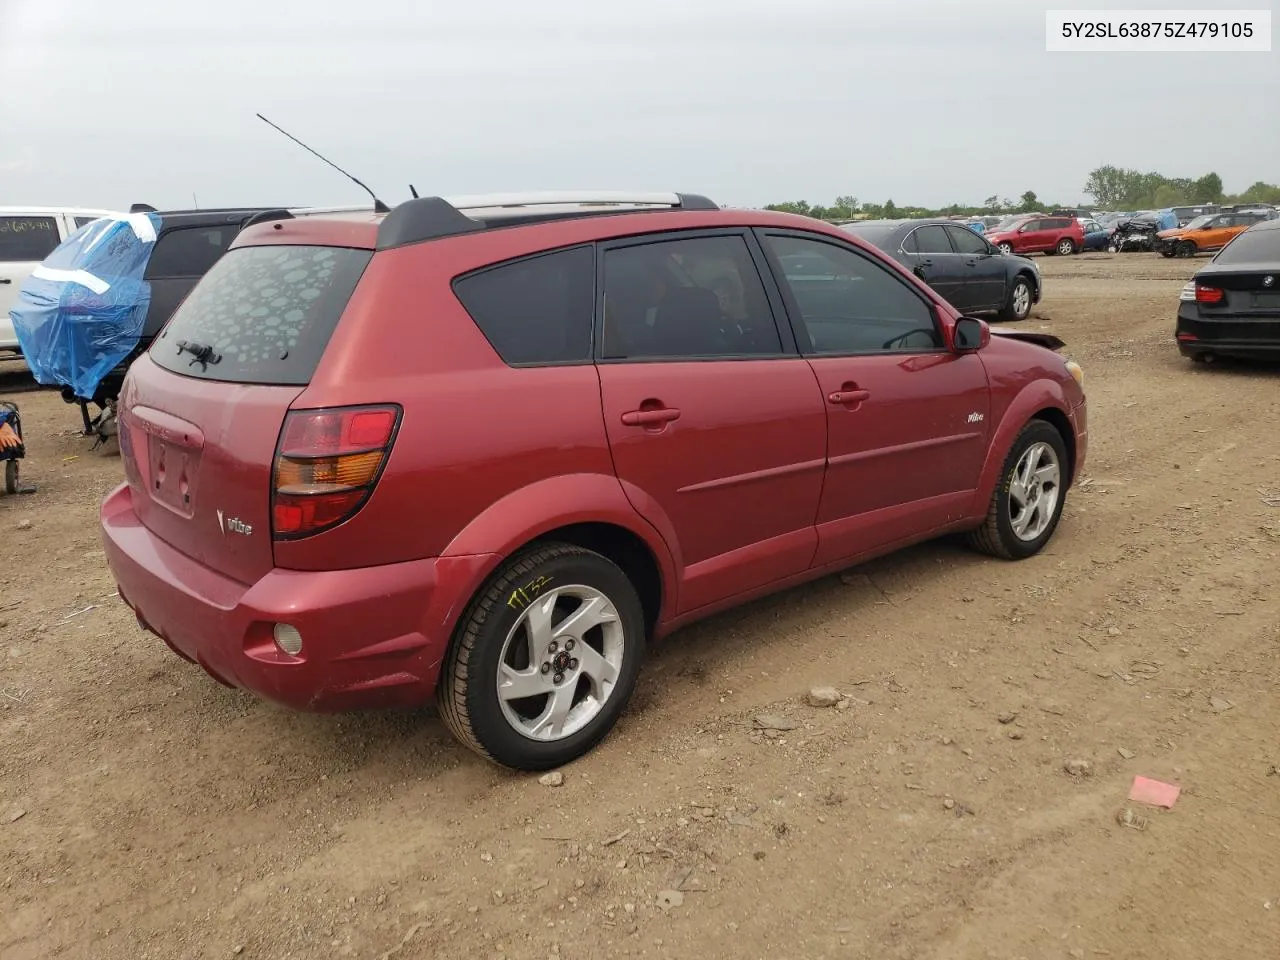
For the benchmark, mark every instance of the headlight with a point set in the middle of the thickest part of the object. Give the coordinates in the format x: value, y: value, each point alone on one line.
x: 1076, y: 371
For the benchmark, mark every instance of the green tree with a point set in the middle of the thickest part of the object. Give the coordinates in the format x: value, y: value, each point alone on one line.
x: 792, y: 206
x: 1030, y: 202
x: 847, y: 205
x: 1260, y: 193
x: 1167, y: 196
x: 992, y: 204
x: 1208, y: 189
x: 1109, y: 185
x: 890, y: 211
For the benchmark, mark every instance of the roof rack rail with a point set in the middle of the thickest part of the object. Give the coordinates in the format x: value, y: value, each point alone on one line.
x: 265, y: 215
x: 432, y: 218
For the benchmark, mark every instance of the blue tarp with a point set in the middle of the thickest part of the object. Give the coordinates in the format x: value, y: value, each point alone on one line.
x: 82, y: 310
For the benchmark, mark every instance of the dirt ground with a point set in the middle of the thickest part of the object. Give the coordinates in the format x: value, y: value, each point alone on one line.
x: 147, y: 812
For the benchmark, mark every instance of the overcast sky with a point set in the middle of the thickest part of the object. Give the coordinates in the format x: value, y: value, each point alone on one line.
x: 109, y: 102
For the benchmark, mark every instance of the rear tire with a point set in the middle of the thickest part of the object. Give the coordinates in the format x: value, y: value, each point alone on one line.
x: 513, y: 635
x: 11, y: 477
x: 1066, y: 246
x: 1027, y: 502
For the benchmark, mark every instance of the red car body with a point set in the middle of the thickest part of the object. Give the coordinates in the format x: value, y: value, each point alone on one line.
x: 1038, y: 234
x: 773, y: 474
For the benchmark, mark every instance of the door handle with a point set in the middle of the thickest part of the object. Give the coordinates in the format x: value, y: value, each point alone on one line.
x: 650, y: 418
x: 6, y: 280
x: 848, y: 395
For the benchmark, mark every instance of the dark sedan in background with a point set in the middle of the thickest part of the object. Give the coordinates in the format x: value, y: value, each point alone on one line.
x: 1231, y: 307
x: 966, y: 270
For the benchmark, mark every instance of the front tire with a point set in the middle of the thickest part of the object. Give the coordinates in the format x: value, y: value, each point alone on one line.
x: 1188, y: 248
x: 1028, y: 500
x: 1018, y: 306
x: 545, y: 658
x: 1006, y: 248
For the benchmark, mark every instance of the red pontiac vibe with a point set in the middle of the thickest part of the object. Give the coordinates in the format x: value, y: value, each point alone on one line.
x: 485, y: 450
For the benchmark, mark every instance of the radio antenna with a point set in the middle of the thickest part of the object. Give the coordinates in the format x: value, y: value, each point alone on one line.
x: 378, y: 205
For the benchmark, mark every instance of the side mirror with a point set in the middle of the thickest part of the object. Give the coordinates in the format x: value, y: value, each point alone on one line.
x: 970, y: 334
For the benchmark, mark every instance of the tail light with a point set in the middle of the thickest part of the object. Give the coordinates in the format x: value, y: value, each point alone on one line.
x: 1209, y: 294
x: 326, y: 466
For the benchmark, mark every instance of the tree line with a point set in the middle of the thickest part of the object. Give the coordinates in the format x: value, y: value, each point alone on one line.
x: 1112, y: 188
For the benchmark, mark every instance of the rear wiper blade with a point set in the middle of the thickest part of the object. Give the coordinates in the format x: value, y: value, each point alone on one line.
x: 201, y: 353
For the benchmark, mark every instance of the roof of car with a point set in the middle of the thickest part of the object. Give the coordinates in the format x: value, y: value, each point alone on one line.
x: 584, y: 216
x: 51, y: 211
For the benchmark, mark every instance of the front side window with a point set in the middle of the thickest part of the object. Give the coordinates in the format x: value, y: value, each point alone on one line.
x: 860, y: 307
x: 537, y: 310
x: 691, y: 298
x: 27, y: 239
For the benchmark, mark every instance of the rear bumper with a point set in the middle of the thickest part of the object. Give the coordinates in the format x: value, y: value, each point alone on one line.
x: 372, y: 637
x: 1230, y: 336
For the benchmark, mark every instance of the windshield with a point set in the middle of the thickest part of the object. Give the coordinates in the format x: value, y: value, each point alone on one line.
x: 1008, y: 223
x: 875, y: 234
x: 1198, y: 222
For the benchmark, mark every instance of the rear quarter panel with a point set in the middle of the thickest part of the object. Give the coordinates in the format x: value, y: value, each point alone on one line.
x: 487, y: 456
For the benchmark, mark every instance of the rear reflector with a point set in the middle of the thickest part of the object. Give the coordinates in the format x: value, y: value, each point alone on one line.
x: 1209, y: 294
x: 327, y: 465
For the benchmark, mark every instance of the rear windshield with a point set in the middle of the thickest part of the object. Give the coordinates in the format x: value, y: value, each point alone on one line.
x: 261, y: 315
x: 1253, y: 246
x: 874, y: 235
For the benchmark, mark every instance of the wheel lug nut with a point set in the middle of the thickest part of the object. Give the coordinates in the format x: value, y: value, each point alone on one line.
x: 573, y: 663
x: 558, y: 678
x: 554, y: 647
x: 568, y: 644
x: 546, y: 667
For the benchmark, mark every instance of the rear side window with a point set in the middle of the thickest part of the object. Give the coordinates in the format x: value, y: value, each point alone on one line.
x: 932, y: 239
x: 27, y: 239
x: 264, y: 314
x: 190, y: 251
x: 83, y: 221
x: 536, y: 310
x: 1253, y: 246
x: 698, y: 296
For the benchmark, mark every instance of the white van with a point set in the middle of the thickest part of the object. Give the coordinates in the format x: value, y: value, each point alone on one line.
x: 27, y: 236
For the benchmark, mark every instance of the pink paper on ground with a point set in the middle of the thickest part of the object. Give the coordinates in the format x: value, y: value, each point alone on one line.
x: 1154, y: 792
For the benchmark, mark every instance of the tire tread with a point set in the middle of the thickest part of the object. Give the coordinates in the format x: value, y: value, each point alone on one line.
x: 986, y: 538
x: 454, y: 679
